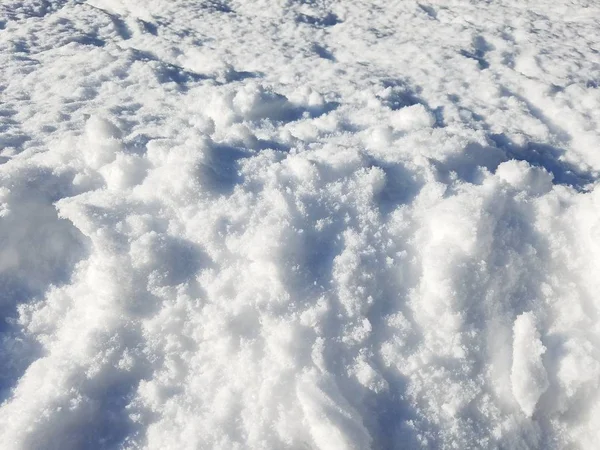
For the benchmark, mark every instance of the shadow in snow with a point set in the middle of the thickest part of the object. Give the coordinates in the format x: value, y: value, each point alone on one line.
x: 561, y: 134
x: 389, y: 412
x: 466, y: 164
x: 167, y: 72
x: 232, y: 75
x: 328, y: 20
x: 400, y: 95
x: 477, y: 56
x: 149, y: 27
x: 401, y: 186
x: 217, y: 6
x: 89, y: 39
x: 548, y: 157
x: 37, y: 249
x: 11, y: 135
x: 101, y: 419
x: 430, y: 11
x: 322, y: 52
x: 481, y: 47
x: 171, y: 73
x: 24, y: 10
x: 220, y: 173
x: 121, y: 28
x: 179, y: 260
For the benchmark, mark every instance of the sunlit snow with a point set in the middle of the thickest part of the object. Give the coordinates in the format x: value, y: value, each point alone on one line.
x: 299, y: 224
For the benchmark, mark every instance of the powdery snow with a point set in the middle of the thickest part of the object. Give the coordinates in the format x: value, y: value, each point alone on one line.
x: 529, y: 378
x: 299, y: 225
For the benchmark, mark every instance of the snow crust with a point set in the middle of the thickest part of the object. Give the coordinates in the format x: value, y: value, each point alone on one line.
x: 232, y: 224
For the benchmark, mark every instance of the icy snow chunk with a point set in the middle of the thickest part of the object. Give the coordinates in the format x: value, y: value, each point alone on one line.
x: 205, y: 125
x: 528, y: 376
x: 410, y: 118
x: 240, y: 135
x: 381, y: 137
x: 527, y: 64
x: 522, y: 176
x: 254, y: 102
x: 306, y: 130
x: 303, y: 169
x: 220, y: 110
x: 124, y: 172
x: 103, y: 141
x: 306, y: 95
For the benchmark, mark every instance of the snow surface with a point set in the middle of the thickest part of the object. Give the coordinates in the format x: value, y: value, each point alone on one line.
x: 295, y: 224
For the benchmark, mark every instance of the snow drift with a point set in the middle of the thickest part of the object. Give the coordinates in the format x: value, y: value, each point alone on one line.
x: 324, y: 225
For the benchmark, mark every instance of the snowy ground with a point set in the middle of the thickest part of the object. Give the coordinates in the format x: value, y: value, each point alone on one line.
x: 299, y: 224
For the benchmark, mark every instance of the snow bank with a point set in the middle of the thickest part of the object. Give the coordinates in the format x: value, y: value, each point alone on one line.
x: 334, y: 225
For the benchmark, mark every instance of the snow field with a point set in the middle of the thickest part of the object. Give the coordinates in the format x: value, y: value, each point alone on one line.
x: 325, y: 225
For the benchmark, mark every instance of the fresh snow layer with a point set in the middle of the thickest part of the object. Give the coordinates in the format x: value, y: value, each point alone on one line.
x: 288, y: 224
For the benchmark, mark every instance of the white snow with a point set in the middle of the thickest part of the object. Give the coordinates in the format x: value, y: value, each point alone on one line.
x: 231, y: 224
x: 528, y: 377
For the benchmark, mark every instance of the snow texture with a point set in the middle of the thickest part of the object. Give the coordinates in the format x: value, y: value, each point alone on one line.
x: 529, y: 378
x: 289, y: 224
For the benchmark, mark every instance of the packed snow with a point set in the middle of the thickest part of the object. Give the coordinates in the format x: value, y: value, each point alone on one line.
x: 299, y: 224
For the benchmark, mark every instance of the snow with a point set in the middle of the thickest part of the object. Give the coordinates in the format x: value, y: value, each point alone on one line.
x: 529, y: 378
x: 291, y: 224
